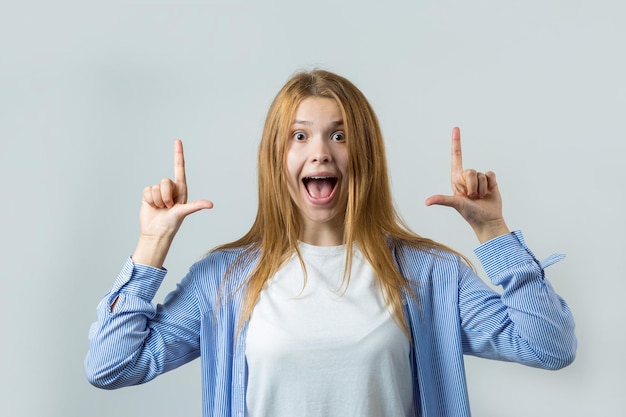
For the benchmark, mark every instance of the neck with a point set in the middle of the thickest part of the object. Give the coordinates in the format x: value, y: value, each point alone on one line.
x: 324, y: 234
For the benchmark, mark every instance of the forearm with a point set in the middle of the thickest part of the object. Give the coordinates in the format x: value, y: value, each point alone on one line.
x: 137, y: 341
x: 117, y: 340
x: 115, y: 344
x: 528, y: 322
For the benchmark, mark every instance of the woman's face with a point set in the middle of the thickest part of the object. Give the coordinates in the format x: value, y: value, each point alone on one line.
x: 317, y: 169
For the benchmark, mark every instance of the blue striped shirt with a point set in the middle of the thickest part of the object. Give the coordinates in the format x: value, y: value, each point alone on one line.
x: 456, y: 314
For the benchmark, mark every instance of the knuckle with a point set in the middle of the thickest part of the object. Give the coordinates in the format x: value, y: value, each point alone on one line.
x: 147, y: 194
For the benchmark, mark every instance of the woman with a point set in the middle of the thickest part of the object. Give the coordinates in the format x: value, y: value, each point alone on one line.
x: 329, y: 305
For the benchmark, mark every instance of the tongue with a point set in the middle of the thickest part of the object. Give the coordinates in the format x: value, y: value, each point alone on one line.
x: 320, y: 188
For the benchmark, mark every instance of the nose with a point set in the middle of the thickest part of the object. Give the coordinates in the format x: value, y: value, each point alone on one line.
x: 320, y: 152
x: 320, y: 158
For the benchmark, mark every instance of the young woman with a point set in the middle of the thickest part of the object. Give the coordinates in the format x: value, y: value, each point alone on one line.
x: 329, y: 305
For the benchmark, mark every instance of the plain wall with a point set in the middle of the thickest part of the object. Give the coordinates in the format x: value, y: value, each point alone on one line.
x: 92, y: 96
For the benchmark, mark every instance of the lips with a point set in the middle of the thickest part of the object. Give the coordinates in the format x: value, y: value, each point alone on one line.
x: 320, y: 188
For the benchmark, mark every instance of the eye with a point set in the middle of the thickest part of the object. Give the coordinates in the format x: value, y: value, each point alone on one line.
x: 338, y: 136
x: 299, y: 136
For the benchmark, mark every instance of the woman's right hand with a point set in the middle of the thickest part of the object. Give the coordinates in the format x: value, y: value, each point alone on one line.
x: 163, y: 209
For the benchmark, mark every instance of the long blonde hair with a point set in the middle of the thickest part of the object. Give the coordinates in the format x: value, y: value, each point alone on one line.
x: 371, y: 219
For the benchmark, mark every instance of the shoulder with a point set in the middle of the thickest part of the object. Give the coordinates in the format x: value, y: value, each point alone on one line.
x: 422, y: 262
x: 221, y: 271
x: 236, y: 262
x: 222, y: 259
x: 422, y: 254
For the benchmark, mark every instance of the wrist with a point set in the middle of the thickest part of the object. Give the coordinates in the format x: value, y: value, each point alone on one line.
x: 151, y: 250
x: 490, y: 230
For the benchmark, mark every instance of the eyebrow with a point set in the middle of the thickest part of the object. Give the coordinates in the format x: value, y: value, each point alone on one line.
x: 308, y: 123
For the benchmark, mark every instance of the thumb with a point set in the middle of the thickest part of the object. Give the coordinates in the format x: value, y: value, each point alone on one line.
x: 442, y: 200
x: 194, y: 206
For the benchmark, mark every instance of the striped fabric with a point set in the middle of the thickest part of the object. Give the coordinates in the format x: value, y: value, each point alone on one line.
x: 457, y: 314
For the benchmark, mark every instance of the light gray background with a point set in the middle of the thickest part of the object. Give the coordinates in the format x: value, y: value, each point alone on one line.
x: 93, y: 95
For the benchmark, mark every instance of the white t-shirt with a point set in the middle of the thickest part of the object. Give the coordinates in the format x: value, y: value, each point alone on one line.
x: 316, y: 350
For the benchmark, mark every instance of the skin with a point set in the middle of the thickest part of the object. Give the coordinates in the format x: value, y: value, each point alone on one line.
x: 163, y: 209
x: 317, y: 148
x: 475, y: 196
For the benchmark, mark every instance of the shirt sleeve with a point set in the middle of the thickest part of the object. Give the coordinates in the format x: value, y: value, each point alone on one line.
x: 528, y: 322
x: 135, y: 341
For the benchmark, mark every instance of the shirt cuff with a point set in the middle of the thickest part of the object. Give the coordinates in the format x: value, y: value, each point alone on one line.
x: 139, y: 280
x: 506, y: 251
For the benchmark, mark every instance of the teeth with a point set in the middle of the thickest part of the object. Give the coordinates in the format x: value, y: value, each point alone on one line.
x: 329, y: 178
x: 332, y: 179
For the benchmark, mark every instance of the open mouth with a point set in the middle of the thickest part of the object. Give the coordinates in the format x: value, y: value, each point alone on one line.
x: 320, y: 187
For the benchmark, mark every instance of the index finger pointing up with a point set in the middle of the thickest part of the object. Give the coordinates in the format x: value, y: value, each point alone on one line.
x: 179, y: 162
x: 457, y: 155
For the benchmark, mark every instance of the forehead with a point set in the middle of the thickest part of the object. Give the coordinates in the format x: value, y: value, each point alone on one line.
x: 319, y: 109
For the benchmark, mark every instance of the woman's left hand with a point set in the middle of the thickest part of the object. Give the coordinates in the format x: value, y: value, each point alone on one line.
x: 475, y: 196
